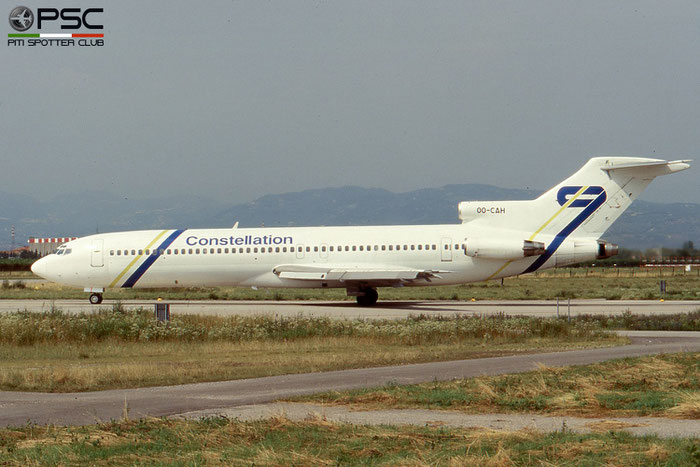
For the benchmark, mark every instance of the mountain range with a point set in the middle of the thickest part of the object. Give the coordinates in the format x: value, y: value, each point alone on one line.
x: 644, y: 225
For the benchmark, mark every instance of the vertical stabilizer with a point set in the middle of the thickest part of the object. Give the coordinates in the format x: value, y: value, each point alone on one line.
x: 584, y: 205
x: 587, y: 203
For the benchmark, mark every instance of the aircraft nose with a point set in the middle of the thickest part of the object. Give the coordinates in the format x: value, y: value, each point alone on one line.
x: 39, y: 267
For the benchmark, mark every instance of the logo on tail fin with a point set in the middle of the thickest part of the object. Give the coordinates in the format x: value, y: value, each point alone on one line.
x: 590, y: 198
x: 566, y: 192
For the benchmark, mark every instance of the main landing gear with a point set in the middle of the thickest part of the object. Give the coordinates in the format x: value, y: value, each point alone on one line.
x: 96, y: 298
x: 367, y: 297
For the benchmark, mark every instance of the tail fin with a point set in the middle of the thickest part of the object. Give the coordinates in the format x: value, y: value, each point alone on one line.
x: 598, y: 194
x: 584, y: 205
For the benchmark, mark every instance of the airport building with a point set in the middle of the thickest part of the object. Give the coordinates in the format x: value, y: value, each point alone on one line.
x: 45, y: 246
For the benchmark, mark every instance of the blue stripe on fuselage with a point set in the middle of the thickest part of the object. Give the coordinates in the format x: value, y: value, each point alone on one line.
x: 151, y: 259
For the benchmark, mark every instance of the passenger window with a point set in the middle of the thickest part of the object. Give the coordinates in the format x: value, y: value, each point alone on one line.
x: 434, y: 247
x: 330, y: 249
x: 284, y: 249
x: 277, y: 249
x: 347, y: 248
x: 225, y: 250
x: 255, y: 250
x: 111, y: 252
x: 376, y: 247
x: 391, y: 247
x: 119, y: 252
x: 247, y: 250
x: 211, y: 250
x: 140, y: 252
x: 383, y: 247
x: 218, y: 250
x: 189, y: 252
x: 323, y: 248
x: 308, y: 249
x: 204, y: 251
x: 133, y: 252
x: 176, y: 251
x: 413, y: 247
x: 354, y: 248
x: 148, y: 252
x: 362, y: 248
x: 291, y: 249
x: 197, y: 251
x: 405, y: 247
x: 420, y: 247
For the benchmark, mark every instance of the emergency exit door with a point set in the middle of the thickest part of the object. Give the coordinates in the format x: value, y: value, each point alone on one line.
x: 97, y: 255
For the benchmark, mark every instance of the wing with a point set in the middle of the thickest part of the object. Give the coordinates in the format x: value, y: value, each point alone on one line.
x: 377, y: 276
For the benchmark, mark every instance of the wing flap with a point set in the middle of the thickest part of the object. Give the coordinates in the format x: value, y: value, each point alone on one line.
x: 352, y: 274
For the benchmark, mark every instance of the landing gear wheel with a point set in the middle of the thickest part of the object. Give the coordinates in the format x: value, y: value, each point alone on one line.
x: 96, y: 298
x: 369, y: 298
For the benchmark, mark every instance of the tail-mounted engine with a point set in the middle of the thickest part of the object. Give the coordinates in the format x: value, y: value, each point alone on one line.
x: 504, y: 249
x: 606, y: 249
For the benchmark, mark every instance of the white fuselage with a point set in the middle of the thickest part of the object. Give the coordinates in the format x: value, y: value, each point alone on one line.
x: 247, y: 257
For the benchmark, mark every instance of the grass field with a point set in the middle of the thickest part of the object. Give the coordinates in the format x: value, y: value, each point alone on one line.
x: 279, y: 441
x: 664, y: 385
x: 61, y: 352
x: 608, y: 283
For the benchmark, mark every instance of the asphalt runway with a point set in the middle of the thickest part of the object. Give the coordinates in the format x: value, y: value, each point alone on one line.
x: 387, y: 310
x: 20, y: 408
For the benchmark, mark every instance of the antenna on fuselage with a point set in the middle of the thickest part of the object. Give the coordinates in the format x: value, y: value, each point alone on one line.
x: 235, y: 226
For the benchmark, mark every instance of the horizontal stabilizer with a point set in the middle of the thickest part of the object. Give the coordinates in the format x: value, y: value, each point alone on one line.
x: 662, y: 167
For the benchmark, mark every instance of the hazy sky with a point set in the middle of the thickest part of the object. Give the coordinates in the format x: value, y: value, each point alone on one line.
x: 236, y: 99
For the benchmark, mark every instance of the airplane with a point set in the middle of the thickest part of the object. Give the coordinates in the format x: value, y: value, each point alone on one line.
x: 496, y: 239
x: 24, y: 18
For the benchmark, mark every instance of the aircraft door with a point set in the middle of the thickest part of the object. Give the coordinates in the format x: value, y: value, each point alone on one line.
x: 446, y: 249
x: 300, y: 251
x: 97, y: 254
x: 323, y: 253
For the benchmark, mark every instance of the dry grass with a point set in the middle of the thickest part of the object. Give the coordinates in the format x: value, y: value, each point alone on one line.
x: 688, y: 405
x: 279, y: 441
x: 664, y: 385
x: 59, y: 352
x: 106, y: 365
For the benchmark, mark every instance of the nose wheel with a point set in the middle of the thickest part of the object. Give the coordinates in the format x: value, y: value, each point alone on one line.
x: 96, y: 298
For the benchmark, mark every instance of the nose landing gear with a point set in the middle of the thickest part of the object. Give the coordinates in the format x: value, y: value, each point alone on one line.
x: 96, y: 298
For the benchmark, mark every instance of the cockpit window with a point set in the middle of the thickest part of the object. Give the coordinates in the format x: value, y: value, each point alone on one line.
x: 59, y: 252
x: 68, y: 251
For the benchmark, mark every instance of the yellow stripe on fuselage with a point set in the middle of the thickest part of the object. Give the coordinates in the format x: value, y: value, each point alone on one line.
x: 135, y: 260
x: 532, y: 237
